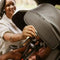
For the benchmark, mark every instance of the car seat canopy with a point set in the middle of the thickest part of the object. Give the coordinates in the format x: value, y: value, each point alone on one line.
x: 45, y: 18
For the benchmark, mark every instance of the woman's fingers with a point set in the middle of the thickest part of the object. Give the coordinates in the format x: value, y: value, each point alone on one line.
x: 29, y: 31
x: 20, y: 49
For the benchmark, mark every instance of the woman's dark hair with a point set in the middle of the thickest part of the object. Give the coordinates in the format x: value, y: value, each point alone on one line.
x: 2, y: 7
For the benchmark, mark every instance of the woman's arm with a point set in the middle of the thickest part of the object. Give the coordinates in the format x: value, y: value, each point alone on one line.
x: 27, y: 31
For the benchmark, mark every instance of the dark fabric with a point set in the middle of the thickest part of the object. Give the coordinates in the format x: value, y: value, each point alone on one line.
x: 58, y: 57
x: 53, y: 55
x: 18, y: 19
x: 46, y: 19
x: 53, y: 2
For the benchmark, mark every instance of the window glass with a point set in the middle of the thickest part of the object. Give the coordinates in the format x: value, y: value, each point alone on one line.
x: 25, y: 4
x: 57, y: 6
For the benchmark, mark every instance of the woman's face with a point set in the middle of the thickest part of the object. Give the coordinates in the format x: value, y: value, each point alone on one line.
x: 10, y: 8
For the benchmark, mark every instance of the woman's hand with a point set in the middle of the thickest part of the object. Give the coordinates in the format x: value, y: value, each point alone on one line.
x: 15, y: 54
x: 29, y: 31
x: 11, y: 55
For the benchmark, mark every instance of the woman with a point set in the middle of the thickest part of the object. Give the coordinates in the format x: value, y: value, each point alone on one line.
x: 9, y: 33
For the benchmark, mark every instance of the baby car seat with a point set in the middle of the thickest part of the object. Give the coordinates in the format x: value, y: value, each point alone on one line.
x: 46, y: 20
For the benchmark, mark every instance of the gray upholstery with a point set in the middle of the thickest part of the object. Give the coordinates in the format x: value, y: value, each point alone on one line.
x: 46, y: 19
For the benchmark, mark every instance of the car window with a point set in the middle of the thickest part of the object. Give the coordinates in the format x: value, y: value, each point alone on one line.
x: 57, y: 6
x: 25, y: 4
